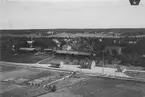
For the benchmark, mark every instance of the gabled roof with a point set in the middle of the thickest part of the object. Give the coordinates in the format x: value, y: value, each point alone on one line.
x: 73, y: 52
x: 27, y: 49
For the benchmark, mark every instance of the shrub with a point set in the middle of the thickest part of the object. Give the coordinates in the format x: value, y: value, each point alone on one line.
x: 53, y: 88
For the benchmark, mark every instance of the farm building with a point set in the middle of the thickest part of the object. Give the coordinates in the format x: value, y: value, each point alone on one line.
x: 114, y: 50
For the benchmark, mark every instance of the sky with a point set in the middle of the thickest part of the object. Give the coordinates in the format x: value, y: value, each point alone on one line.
x: 47, y: 14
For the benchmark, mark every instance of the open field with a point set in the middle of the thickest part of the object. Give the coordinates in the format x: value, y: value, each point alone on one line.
x: 48, y: 61
x: 72, y: 87
x: 18, y: 72
x: 108, y: 88
x: 14, y: 81
x: 5, y: 68
x: 26, y: 58
x: 69, y: 60
x: 97, y: 87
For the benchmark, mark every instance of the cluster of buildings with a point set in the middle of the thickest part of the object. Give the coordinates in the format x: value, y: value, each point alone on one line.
x: 114, y: 42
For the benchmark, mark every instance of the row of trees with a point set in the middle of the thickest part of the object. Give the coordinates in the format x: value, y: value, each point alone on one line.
x: 131, y: 53
x: 7, y: 43
x: 5, y: 48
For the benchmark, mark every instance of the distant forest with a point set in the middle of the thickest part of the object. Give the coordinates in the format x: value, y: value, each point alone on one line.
x: 124, y: 31
x: 131, y: 52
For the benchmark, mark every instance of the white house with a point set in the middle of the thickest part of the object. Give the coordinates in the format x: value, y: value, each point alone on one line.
x: 66, y: 47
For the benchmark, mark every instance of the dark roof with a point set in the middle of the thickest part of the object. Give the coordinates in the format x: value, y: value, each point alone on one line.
x: 55, y: 62
x: 48, y: 49
x: 84, y: 53
x: 27, y: 49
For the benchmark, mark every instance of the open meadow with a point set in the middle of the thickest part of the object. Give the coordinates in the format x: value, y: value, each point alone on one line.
x: 24, y: 82
x: 26, y: 58
x: 97, y: 87
x: 29, y: 82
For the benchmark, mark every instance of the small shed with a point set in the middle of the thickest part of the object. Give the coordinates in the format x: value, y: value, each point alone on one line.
x: 66, y: 47
x: 84, y: 54
x: 114, y: 49
x: 27, y: 49
x: 55, y: 63
x: 48, y: 50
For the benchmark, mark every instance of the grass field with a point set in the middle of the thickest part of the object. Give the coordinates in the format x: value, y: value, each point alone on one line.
x: 12, y: 72
x: 13, y: 89
x: 48, y: 61
x: 26, y: 58
x: 69, y: 60
x: 17, y: 73
x: 108, y: 88
x: 91, y: 87
x: 5, y: 68
x: 95, y: 87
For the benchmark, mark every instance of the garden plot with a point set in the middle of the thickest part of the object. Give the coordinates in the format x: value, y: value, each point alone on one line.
x: 17, y: 83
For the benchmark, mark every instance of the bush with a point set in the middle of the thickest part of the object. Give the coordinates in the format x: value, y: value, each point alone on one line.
x: 53, y: 88
x: 110, y: 61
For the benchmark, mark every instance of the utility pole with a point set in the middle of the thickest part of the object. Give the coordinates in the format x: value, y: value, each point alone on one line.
x: 103, y: 62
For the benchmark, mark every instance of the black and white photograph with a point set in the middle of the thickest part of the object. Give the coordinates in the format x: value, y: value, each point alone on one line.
x: 72, y: 48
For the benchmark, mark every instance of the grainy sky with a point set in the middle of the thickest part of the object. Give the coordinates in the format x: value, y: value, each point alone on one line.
x: 31, y: 14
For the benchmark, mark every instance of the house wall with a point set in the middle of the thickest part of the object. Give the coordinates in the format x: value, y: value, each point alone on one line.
x: 117, y: 49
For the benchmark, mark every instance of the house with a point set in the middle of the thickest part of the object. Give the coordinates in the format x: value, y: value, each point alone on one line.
x: 66, y: 47
x: 114, y: 50
x: 27, y: 50
x: 56, y: 63
x: 30, y: 43
x: 73, y: 53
